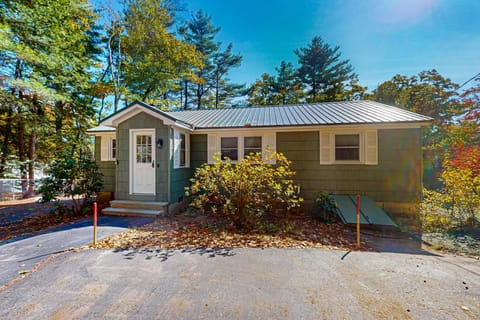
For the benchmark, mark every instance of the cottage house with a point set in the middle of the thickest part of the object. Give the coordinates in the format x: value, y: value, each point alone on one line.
x: 358, y: 147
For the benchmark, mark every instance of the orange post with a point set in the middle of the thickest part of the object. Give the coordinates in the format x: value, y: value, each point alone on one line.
x: 94, y: 223
x: 358, y: 221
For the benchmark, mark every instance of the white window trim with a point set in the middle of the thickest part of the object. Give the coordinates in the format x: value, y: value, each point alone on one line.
x: 106, y: 144
x: 176, y: 149
x: 214, y: 143
x: 368, y: 154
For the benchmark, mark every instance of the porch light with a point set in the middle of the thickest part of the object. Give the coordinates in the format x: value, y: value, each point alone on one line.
x: 159, y: 143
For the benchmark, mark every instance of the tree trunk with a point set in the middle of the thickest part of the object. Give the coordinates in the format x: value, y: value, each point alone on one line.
x: 6, y: 132
x: 21, y: 154
x: 217, y: 88
x: 185, y: 105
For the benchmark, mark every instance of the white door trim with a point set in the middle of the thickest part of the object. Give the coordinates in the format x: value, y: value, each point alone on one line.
x: 132, y: 159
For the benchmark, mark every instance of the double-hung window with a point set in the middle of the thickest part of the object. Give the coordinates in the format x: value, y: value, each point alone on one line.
x: 252, y: 145
x: 235, y: 147
x: 108, y: 146
x: 181, y: 149
x: 347, y: 147
x: 229, y: 148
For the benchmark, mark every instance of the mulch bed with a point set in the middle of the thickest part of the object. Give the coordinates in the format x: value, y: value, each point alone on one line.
x: 202, y: 231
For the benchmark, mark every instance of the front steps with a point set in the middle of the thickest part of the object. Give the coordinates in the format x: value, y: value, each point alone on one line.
x: 136, y: 208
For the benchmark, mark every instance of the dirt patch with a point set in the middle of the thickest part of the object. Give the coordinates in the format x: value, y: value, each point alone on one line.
x: 298, y: 231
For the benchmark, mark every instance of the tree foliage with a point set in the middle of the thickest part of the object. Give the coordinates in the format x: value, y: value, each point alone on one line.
x: 246, y: 191
x: 322, y: 70
x: 48, y: 49
x: 155, y: 58
x: 211, y: 87
x: 74, y: 177
x: 320, y: 76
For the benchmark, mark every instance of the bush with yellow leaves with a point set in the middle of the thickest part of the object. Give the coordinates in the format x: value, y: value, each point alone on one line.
x: 246, y: 191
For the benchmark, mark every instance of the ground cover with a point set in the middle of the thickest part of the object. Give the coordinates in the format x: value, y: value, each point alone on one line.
x: 183, y: 231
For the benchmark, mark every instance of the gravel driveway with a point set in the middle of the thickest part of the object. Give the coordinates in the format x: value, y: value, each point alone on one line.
x: 247, y: 284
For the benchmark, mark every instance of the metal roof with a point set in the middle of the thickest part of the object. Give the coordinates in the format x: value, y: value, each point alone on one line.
x: 313, y: 114
x: 327, y: 113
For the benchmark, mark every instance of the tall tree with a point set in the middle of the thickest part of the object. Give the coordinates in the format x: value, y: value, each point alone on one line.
x: 212, y: 87
x: 430, y: 94
x: 155, y: 58
x: 47, y: 51
x: 201, y: 32
x: 322, y: 70
x: 263, y: 91
x: 222, y: 62
x: 288, y: 87
x: 283, y: 88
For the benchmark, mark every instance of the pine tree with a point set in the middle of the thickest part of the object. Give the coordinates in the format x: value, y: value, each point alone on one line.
x: 322, y: 71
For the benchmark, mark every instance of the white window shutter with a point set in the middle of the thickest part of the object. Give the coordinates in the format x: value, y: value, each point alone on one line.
x: 176, y: 149
x: 268, y: 142
x: 104, y: 148
x: 371, y: 147
x: 326, y: 146
x: 211, y: 147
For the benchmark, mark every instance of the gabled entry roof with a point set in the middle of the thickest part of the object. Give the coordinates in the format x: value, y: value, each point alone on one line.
x: 314, y: 114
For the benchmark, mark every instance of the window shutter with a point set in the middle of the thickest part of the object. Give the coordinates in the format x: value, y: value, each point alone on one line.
x: 268, y: 142
x: 212, y: 147
x: 326, y: 146
x: 371, y: 147
x: 176, y: 149
x: 104, y: 148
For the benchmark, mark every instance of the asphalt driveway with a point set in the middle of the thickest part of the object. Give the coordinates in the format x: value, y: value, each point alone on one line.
x: 247, y: 284
x: 20, y: 255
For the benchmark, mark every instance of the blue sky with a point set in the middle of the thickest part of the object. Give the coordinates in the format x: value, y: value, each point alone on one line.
x: 381, y: 38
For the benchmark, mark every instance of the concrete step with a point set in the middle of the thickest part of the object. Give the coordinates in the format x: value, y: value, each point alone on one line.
x: 147, y: 205
x: 132, y: 212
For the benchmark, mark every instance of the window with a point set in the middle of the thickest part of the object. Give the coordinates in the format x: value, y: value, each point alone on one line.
x: 183, y: 150
x: 144, y: 149
x: 108, y: 146
x: 181, y: 147
x: 229, y: 148
x: 252, y: 145
x: 237, y: 146
x: 347, y: 147
x: 114, y: 148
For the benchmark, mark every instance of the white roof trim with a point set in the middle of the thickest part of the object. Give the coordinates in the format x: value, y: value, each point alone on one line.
x: 135, y: 109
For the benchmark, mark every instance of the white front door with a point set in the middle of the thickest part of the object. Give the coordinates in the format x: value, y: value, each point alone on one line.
x: 142, y: 159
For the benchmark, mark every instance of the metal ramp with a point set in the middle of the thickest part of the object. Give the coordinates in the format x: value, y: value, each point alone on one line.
x: 370, y: 213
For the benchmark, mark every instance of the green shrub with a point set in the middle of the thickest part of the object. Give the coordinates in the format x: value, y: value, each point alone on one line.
x: 246, y: 191
x: 77, y: 178
x: 326, y: 205
x: 457, y: 204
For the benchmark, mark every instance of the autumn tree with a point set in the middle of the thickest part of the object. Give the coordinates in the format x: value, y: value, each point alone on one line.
x: 323, y: 72
x: 155, y: 58
x: 433, y: 95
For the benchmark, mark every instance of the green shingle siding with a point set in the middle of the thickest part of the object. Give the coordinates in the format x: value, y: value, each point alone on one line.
x: 180, y: 178
x: 142, y: 121
x: 107, y: 168
x: 396, y: 178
